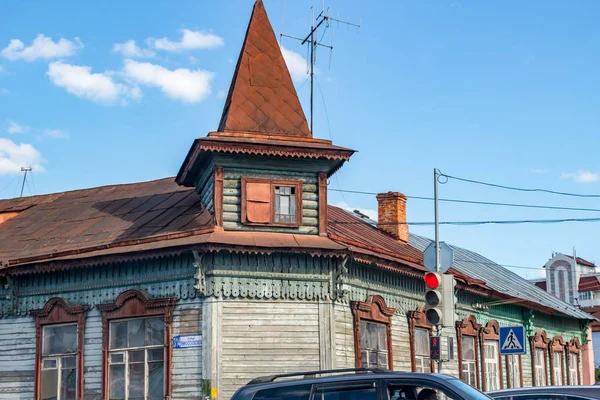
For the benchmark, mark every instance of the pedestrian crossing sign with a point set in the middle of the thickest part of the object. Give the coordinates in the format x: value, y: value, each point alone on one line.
x: 512, y: 340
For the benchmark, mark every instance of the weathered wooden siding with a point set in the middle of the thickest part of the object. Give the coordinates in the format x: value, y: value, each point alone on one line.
x: 187, y: 363
x: 344, y: 337
x: 92, y: 355
x: 205, y: 186
x: 264, y: 338
x: 232, y: 199
x: 17, y: 357
x: 401, y: 343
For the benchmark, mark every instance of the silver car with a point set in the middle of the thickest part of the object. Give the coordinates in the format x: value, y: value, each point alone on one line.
x: 548, y: 393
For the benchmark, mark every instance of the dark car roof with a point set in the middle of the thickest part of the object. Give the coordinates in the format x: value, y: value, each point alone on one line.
x: 251, y: 388
x: 591, y: 391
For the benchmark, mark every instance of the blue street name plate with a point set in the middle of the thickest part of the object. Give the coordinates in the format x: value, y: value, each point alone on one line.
x: 187, y: 342
x: 512, y: 340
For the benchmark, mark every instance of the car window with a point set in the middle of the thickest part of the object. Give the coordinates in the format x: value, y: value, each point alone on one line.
x: 347, y: 391
x: 412, y: 392
x: 543, y: 396
x: 299, y: 392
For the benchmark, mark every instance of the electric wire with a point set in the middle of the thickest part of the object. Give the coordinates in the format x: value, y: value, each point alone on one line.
x: 495, y: 185
x: 487, y: 203
x: 474, y: 223
x: 9, y: 183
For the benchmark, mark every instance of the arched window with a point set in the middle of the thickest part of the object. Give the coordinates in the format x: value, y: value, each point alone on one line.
x: 59, y: 350
x: 136, y: 346
x: 557, y: 359
x: 539, y: 358
x: 491, y: 361
x: 467, y: 332
x: 373, y: 332
x: 419, y: 341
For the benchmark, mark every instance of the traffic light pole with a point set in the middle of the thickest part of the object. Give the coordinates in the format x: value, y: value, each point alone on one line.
x: 438, y: 268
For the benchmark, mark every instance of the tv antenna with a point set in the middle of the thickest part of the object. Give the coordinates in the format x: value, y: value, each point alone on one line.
x: 324, y: 17
x: 25, y: 170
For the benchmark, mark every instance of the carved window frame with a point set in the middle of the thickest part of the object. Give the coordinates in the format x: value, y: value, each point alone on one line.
x: 574, y: 347
x: 558, y: 345
x: 468, y: 327
x: 272, y: 182
x: 373, y: 309
x: 490, y: 332
x: 136, y: 304
x: 417, y: 319
x: 57, y: 311
x: 509, y: 370
x: 539, y: 341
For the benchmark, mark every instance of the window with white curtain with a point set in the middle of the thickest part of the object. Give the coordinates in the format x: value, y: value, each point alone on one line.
x: 469, y: 363
x: 557, y: 366
x: 373, y: 345
x: 573, y: 367
x: 492, y: 369
x: 540, y: 367
x: 423, y: 362
x: 514, y: 370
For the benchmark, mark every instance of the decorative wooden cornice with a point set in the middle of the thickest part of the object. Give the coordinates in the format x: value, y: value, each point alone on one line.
x: 491, y: 331
x: 557, y: 344
x: 468, y: 326
x: 58, y: 309
x: 540, y: 340
x: 380, y: 313
x: 574, y: 345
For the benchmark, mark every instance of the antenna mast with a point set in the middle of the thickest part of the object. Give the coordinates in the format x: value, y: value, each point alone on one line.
x: 322, y: 18
x: 25, y: 170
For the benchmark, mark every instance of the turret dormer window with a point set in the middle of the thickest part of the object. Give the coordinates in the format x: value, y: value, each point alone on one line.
x: 271, y: 202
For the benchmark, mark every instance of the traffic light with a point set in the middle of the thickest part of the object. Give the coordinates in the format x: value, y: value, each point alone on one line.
x: 433, y: 298
x: 440, y: 299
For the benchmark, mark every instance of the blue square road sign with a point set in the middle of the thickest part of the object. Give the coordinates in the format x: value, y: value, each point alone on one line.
x: 512, y: 340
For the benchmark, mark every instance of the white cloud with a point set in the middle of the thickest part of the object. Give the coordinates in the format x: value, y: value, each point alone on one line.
x: 42, y: 47
x: 14, y: 156
x: 366, y: 211
x: 190, y: 40
x: 182, y: 84
x: 55, y: 133
x: 193, y: 60
x: 98, y: 87
x: 221, y: 94
x: 295, y: 63
x: 14, y: 128
x: 581, y: 176
x: 130, y: 49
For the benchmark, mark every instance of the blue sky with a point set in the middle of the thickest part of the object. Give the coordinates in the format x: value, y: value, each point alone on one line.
x: 506, y: 92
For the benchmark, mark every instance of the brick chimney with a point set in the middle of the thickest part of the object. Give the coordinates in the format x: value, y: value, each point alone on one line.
x: 391, y: 212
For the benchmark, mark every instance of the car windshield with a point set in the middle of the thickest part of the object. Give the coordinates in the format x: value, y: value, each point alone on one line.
x: 470, y: 392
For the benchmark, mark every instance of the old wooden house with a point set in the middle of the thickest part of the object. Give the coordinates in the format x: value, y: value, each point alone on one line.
x: 242, y: 249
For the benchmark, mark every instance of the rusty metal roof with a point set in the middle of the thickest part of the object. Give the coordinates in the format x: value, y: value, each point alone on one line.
x: 262, y: 97
x: 86, y: 220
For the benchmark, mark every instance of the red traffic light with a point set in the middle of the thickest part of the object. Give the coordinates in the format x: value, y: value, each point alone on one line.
x: 432, y: 280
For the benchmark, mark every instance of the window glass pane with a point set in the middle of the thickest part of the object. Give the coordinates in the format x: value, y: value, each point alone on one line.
x: 49, y: 364
x: 363, y: 335
x: 49, y: 384
x: 422, y: 342
x: 60, y: 339
x: 156, y: 380
x: 136, y: 332
x: 68, y: 379
x: 382, y: 360
x: 364, y: 359
x: 137, y: 356
x: 117, y: 358
x: 156, y: 331
x: 372, y: 358
x: 156, y: 354
x: 136, y: 381
x: 69, y: 362
x: 355, y: 394
x: 468, y: 348
x: 382, y: 338
x: 117, y: 382
x: 118, y: 335
x: 284, y: 205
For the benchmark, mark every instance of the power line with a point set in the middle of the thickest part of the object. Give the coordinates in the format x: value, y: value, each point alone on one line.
x: 9, y: 183
x: 486, y: 203
x: 517, y: 188
x: 473, y: 223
